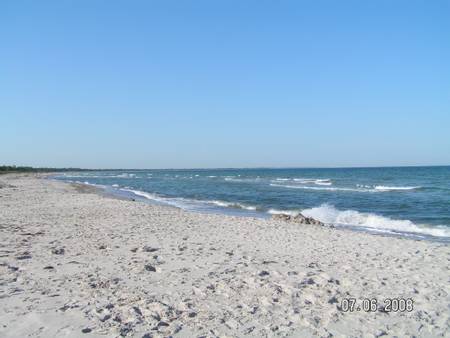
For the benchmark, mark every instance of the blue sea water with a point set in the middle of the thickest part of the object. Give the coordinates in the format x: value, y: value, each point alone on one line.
x: 406, y: 201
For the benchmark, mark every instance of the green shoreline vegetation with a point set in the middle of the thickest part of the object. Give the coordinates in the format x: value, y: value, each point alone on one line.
x: 6, y: 169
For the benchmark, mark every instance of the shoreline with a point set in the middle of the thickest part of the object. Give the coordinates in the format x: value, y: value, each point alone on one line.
x: 125, y: 194
x: 77, y: 262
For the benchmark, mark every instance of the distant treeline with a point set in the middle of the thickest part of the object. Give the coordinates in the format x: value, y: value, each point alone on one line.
x: 18, y: 169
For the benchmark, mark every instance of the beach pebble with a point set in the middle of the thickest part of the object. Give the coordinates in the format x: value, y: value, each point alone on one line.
x: 150, y: 267
x: 124, y: 330
x: 105, y: 318
x: 264, y: 273
x: 308, y: 281
x: 149, y: 249
x: 58, y: 251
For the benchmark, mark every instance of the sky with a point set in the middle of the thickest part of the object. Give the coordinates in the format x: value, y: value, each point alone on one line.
x: 203, y: 84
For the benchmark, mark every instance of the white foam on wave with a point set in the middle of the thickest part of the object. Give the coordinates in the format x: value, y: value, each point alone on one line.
x: 359, y: 188
x: 146, y: 195
x: 284, y: 212
x: 329, y: 214
x: 317, y: 181
x: 87, y: 183
x: 246, y: 180
x: 386, y: 188
x: 189, y: 204
x: 323, y: 182
x: 124, y: 175
x: 178, y: 202
x: 232, y: 205
x: 314, y: 188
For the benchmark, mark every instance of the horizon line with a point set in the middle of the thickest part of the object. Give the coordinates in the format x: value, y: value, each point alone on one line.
x: 235, y: 168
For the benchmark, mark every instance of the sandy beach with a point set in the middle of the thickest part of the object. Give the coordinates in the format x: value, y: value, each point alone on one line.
x: 74, y: 262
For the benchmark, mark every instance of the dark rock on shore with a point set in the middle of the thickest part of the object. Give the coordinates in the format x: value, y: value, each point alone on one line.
x: 297, y: 219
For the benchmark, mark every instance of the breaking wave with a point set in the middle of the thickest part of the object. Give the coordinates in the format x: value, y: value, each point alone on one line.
x: 329, y: 214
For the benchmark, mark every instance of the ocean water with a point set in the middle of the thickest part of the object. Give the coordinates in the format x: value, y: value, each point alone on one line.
x: 402, y: 201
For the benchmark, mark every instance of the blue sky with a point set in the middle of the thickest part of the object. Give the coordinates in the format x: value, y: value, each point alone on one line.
x: 170, y: 84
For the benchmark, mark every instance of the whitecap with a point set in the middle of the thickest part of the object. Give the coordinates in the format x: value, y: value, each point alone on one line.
x: 386, y: 188
x: 231, y: 205
x: 316, y: 188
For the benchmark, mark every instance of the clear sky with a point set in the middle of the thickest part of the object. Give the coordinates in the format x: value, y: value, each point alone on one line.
x: 159, y: 84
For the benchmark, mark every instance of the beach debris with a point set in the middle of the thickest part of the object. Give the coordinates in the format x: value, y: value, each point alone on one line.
x: 58, y: 251
x: 163, y: 324
x: 86, y: 330
x: 148, y: 248
x: 32, y: 234
x: 263, y: 273
x: 297, y: 219
x: 137, y: 310
x: 150, y: 267
x: 25, y: 255
x: 124, y: 330
x: 308, y: 281
x: 10, y: 267
x: 268, y: 262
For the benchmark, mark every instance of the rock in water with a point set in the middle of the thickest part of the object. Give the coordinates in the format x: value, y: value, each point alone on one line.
x: 297, y: 219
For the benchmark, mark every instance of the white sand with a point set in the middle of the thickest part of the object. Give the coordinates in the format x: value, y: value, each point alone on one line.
x: 208, y: 279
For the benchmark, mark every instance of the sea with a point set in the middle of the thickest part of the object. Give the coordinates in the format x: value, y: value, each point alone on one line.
x: 400, y: 201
